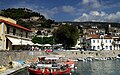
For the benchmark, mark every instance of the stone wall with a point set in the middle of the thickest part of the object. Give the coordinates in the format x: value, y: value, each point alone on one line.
x: 96, y: 54
x: 6, y: 56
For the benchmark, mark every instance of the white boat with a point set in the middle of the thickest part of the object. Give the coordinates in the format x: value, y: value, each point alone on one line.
x: 90, y: 58
x: 100, y: 58
x: 97, y: 59
x: 118, y: 56
x: 81, y: 59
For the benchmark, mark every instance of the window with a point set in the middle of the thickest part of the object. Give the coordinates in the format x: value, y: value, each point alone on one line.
x: 93, y: 41
x: 97, y: 41
x: 26, y: 34
x: 106, y: 47
x: 110, y: 41
x: 110, y: 47
x: 98, y: 47
x: 14, y: 31
x: 8, y: 30
x: 106, y: 41
x: 94, y: 47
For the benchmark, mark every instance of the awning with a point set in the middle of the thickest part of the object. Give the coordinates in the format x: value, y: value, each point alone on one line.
x: 47, y: 45
x: 16, y: 41
x: 38, y: 44
x: 27, y: 42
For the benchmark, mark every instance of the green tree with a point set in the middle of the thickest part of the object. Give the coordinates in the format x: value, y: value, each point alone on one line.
x: 67, y: 35
x: 47, y: 23
x: 43, y: 40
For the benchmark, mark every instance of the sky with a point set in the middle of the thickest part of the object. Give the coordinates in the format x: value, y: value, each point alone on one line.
x: 70, y: 10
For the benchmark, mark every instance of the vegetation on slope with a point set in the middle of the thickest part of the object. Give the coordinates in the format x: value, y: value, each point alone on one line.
x: 23, y: 17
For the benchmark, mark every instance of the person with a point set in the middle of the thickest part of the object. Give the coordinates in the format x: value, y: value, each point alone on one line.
x: 32, y: 48
x: 10, y: 64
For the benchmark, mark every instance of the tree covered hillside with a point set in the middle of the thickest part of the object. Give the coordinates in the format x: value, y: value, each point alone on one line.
x: 19, y: 13
x: 23, y: 17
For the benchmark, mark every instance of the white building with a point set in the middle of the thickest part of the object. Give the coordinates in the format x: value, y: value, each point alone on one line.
x: 99, y: 42
x: 116, y: 42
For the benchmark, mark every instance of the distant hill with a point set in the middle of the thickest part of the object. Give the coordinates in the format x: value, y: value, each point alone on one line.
x: 89, y: 24
x: 26, y: 17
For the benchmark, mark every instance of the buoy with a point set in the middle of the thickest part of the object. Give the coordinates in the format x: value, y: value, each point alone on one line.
x: 75, y: 68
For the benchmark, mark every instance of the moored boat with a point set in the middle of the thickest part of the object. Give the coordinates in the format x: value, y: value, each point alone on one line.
x: 81, y: 59
x: 118, y: 56
x: 50, y: 66
x: 51, y: 71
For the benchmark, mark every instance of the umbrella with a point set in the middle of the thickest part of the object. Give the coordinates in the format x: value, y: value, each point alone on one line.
x: 38, y: 44
x: 47, y: 45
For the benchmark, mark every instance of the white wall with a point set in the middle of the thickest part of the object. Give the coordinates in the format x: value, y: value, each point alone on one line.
x: 97, y: 43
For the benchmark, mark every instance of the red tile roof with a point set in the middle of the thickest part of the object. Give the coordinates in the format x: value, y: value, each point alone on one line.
x: 15, y: 25
x: 95, y: 36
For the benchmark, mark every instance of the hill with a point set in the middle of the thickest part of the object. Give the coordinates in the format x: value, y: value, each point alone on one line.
x: 89, y: 24
x: 26, y: 17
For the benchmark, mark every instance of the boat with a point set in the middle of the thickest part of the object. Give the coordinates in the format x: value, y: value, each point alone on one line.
x: 81, y: 59
x: 118, y: 56
x: 50, y: 66
x: 90, y: 58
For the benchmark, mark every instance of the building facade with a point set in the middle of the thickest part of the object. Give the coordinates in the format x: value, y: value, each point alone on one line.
x: 99, y: 42
x: 13, y: 36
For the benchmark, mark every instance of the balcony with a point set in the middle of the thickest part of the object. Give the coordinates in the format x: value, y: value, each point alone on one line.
x: 18, y: 35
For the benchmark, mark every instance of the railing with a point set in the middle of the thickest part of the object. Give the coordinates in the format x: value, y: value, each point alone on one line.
x: 17, y: 35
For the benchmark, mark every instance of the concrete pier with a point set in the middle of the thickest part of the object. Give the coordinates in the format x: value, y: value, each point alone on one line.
x: 13, y: 71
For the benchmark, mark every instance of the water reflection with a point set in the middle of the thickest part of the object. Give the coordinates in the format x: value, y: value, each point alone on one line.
x: 111, y: 67
x: 99, y: 68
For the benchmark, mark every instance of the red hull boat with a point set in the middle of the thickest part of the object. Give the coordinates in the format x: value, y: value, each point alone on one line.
x: 47, y: 72
x: 49, y: 66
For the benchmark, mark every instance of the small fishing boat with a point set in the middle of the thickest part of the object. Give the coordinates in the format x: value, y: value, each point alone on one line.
x: 118, y: 56
x: 81, y: 59
x: 50, y: 66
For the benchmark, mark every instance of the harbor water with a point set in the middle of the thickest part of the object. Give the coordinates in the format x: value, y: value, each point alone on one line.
x: 109, y: 67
